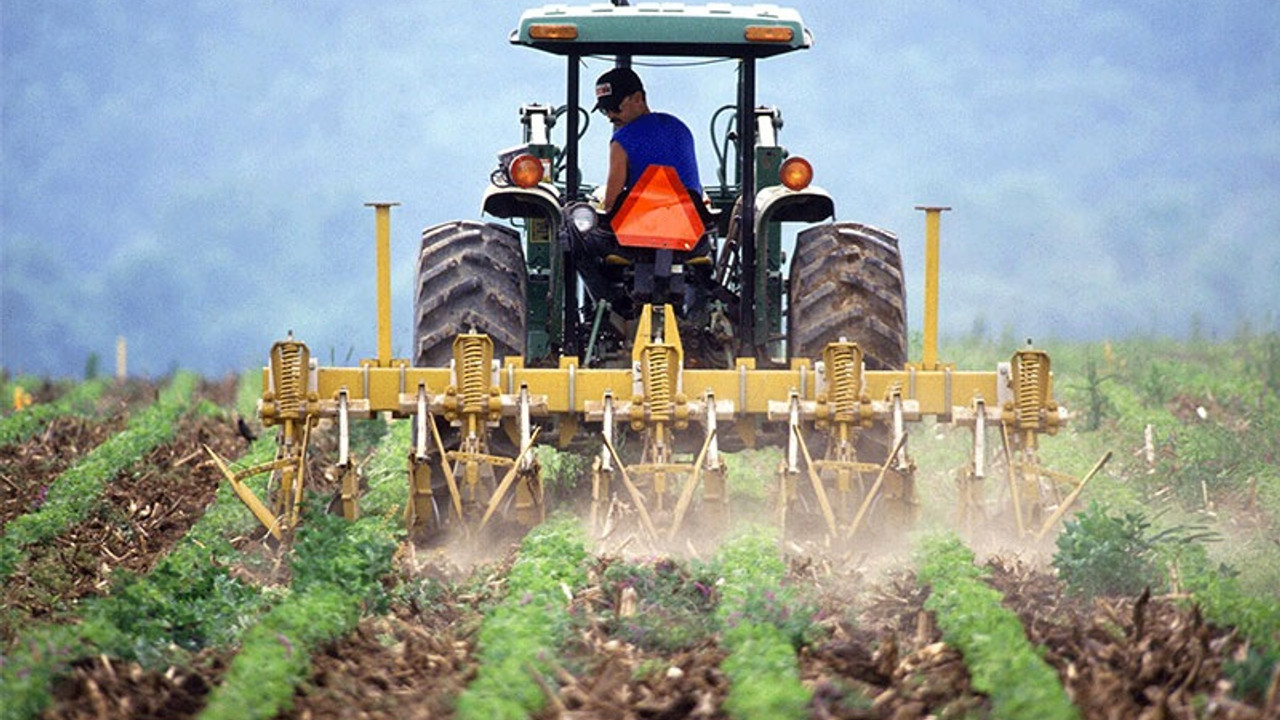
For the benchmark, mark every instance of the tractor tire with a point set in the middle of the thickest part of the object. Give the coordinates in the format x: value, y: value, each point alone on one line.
x: 471, y: 277
x: 847, y: 282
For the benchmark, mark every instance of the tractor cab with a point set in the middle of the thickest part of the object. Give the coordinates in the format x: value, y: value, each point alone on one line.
x: 716, y: 258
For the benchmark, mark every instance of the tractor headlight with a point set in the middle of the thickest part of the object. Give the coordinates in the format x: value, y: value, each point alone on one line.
x: 583, y: 217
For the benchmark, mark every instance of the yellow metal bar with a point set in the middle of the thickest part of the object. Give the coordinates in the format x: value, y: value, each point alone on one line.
x: 936, y: 392
x: 1065, y: 505
x: 932, y: 222
x: 260, y: 511
x: 382, y: 215
x: 875, y: 487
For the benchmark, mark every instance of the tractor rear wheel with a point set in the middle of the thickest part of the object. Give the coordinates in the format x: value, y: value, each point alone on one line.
x: 471, y: 277
x: 847, y: 282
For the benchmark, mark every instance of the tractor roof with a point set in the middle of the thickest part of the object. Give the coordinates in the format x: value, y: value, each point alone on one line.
x: 663, y: 28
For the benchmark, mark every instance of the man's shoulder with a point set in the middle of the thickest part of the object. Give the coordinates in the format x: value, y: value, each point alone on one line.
x: 667, y: 119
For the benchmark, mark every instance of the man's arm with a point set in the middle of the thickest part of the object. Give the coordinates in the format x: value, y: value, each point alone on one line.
x: 617, y: 175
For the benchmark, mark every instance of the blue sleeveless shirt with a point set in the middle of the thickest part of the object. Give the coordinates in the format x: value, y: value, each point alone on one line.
x: 657, y: 138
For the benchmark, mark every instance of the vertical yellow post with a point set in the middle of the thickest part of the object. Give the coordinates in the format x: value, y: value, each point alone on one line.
x: 383, y: 219
x: 932, y: 221
x: 122, y: 358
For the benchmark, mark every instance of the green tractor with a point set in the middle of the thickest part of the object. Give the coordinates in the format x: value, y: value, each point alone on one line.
x: 519, y: 281
x: 530, y: 284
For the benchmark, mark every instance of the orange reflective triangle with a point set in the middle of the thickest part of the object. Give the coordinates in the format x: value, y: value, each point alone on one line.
x: 658, y: 213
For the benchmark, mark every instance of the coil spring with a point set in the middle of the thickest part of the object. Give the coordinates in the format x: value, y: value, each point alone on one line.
x: 289, y: 390
x: 658, y: 389
x: 474, y: 388
x: 1029, y: 384
x: 842, y: 373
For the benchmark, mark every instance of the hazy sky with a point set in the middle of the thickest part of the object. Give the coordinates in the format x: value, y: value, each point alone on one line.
x: 192, y: 175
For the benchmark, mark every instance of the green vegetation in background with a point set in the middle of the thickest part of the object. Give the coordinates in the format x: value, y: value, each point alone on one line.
x: 1103, y: 552
x: 74, y: 493
x: 1002, y: 662
x: 762, y: 624
x: 25, y: 424
x: 529, y: 626
x: 563, y: 473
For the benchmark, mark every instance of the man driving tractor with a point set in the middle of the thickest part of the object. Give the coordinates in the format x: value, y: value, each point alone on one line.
x: 641, y: 137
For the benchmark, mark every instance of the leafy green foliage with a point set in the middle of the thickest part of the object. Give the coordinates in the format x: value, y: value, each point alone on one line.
x: 762, y: 623
x: 276, y: 653
x: 675, y: 606
x: 527, y: 626
x: 1002, y: 662
x: 25, y: 424
x: 1103, y: 554
x: 337, y: 569
x: 750, y: 472
x: 563, y: 472
x: 189, y: 601
x: 72, y: 495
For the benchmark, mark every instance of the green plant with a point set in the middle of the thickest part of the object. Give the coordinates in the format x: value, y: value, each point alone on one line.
x: 1098, y: 406
x: 75, y: 492
x: 520, y: 633
x: 674, y: 603
x: 1002, y: 662
x: 761, y: 623
x: 1103, y: 554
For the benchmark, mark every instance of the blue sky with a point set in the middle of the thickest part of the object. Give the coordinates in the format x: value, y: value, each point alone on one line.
x: 192, y: 175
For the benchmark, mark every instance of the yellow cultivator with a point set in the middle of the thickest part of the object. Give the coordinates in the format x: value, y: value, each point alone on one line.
x: 679, y: 415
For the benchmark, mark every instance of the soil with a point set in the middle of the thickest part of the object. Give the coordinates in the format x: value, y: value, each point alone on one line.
x: 143, y: 513
x: 878, y: 653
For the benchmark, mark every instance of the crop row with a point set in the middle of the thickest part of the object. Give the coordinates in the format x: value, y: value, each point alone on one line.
x: 528, y: 626
x: 761, y: 624
x: 26, y: 423
x: 74, y: 492
x: 187, y: 602
x: 1002, y: 662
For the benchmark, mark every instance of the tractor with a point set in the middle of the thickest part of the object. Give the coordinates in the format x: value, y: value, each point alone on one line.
x: 690, y: 335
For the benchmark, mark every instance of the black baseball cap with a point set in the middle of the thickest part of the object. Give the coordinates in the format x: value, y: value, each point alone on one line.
x: 615, y: 85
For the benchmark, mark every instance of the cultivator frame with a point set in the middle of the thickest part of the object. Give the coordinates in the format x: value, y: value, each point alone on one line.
x: 832, y: 398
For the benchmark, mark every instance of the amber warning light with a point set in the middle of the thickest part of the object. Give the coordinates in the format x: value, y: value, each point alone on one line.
x: 553, y: 32
x: 766, y: 33
x: 525, y: 170
x: 796, y: 173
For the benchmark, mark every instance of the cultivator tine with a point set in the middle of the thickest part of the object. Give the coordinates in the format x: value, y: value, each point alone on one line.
x: 268, y: 519
x: 454, y: 493
x: 602, y: 468
x: 875, y: 488
x: 634, y: 492
x: 517, y: 467
x: 818, y: 489
x: 1066, y: 504
x: 346, y: 468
